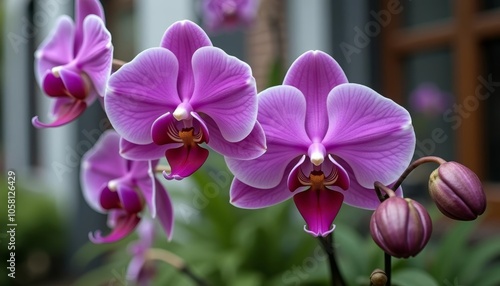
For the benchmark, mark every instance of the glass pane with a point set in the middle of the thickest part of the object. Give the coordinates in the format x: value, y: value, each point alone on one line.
x: 429, y: 97
x: 425, y: 11
x: 491, y: 92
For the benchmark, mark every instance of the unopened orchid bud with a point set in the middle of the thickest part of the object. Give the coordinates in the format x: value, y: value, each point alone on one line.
x: 457, y: 191
x: 401, y: 227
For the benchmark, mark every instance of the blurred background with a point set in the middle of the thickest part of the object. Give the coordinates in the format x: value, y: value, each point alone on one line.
x: 439, y: 59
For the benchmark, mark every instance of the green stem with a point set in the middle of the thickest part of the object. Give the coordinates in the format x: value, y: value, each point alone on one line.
x: 176, y: 262
x: 117, y: 64
x: 327, y: 244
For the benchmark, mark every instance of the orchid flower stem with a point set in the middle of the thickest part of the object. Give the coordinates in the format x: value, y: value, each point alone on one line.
x: 117, y: 64
x: 389, y: 192
x: 327, y: 244
x: 414, y: 165
x: 388, y: 267
x: 162, y: 168
x: 176, y: 262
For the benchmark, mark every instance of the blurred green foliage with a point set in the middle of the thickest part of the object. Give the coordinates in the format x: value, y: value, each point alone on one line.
x: 39, y: 236
x: 231, y: 246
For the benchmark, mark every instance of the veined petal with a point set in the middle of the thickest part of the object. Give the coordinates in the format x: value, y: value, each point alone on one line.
x: 100, y: 165
x: 64, y: 113
x: 248, y: 197
x: 253, y: 146
x: 164, y: 208
x: 371, y: 133
x: 315, y: 73
x: 96, y: 53
x: 140, y: 92
x: 359, y: 196
x: 141, y: 152
x: 319, y: 208
x: 266, y: 171
x: 224, y: 90
x: 184, y: 161
x: 56, y: 49
x: 83, y: 8
x: 124, y: 225
x: 282, y: 114
x: 183, y: 38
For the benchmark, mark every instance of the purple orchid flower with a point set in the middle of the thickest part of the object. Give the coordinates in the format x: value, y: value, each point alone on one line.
x: 121, y: 188
x: 428, y: 99
x: 140, y: 270
x: 228, y: 14
x: 173, y: 98
x: 324, y: 136
x: 73, y: 64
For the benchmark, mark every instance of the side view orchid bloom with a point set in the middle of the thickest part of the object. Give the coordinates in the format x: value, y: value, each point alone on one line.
x: 328, y: 141
x: 121, y: 188
x: 73, y: 64
x: 140, y: 270
x: 173, y: 98
x: 228, y: 14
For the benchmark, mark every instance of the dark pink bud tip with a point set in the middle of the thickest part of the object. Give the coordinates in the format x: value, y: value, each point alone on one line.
x: 401, y: 227
x: 457, y: 191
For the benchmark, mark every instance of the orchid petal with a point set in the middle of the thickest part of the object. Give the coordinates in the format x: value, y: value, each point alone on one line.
x: 130, y: 199
x: 56, y: 49
x: 253, y: 146
x: 185, y: 160
x: 140, y: 92
x: 162, y: 127
x: 266, y: 171
x: 100, y: 165
x: 124, y: 225
x: 293, y: 182
x: 371, y: 133
x: 135, y: 267
x: 83, y: 8
x: 147, y: 187
x: 164, y: 209
x: 282, y: 115
x: 225, y: 91
x: 315, y: 73
x: 109, y: 199
x: 318, y: 208
x: 183, y: 38
x: 53, y: 86
x: 248, y: 197
x: 64, y: 113
x: 96, y: 53
x: 131, y: 151
x: 359, y: 196
x: 74, y: 83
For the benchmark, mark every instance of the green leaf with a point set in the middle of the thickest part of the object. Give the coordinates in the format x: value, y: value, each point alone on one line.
x: 490, y: 277
x: 451, y: 250
x: 479, y: 260
x: 413, y: 277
